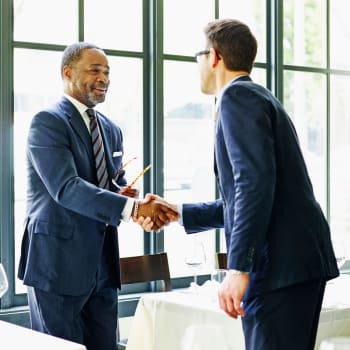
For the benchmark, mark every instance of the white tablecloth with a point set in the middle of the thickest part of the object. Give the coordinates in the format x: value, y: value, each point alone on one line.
x: 180, y: 320
x: 13, y: 337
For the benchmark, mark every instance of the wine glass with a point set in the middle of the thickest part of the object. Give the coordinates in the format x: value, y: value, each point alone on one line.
x: 3, y: 281
x: 195, y: 258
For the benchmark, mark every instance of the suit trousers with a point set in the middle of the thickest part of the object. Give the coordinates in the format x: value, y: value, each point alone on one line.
x: 89, y: 319
x: 284, y: 319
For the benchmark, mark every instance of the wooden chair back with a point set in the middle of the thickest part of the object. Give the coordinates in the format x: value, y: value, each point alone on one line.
x: 221, y: 260
x: 146, y: 268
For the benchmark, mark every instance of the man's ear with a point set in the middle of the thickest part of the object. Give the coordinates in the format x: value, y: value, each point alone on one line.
x: 67, y: 72
x: 214, y: 57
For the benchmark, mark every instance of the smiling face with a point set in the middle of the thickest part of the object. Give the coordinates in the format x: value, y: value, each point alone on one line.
x: 87, y: 79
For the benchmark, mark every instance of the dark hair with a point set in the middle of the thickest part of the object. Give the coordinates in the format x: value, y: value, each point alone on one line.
x: 234, y: 42
x: 72, y: 53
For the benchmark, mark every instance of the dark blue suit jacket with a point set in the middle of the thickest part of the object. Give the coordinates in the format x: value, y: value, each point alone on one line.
x: 68, y: 216
x: 274, y: 227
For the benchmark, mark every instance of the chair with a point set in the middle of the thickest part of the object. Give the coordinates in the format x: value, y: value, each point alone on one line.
x: 144, y: 268
x: 221, y: 260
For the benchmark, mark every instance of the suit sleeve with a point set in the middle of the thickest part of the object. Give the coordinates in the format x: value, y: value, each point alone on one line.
x: 249, y: 142
x: 50, y: 153
x: 198, y: 217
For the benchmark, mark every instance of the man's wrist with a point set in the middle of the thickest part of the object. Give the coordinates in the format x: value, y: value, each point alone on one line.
x: 135, y: 209
x: 237, y: 272
x: 126, y: 214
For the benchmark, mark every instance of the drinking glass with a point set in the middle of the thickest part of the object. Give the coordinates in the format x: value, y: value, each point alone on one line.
x: 195, y: 258
x: 3, y: 281
x: 218, y: 275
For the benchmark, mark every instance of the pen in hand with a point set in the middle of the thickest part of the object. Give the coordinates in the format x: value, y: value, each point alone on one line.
x: 122, y: 167
x: 138, y: 177
x: 133, y: 192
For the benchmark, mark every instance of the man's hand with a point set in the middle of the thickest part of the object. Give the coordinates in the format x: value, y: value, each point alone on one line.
x: 147, y: 222
x: 159, y: 212
x: 231, y: 294
x: 129, y: 192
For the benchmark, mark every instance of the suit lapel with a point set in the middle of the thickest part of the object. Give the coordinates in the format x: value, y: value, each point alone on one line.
x: 81, y: 130
x: 79, y: 127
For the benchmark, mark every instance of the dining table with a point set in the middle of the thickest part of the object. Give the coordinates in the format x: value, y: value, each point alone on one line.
x: 14, y: 337
x: 191, y: 319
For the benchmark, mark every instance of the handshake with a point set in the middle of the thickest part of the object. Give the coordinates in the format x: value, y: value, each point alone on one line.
x: 153, y: 212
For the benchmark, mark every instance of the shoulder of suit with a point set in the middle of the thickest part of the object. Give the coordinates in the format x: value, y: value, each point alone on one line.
x: 246, y: 88
x: 60, y: 110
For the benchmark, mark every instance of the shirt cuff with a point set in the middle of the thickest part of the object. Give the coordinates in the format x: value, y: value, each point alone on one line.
x: 237, y: 272
x: 179, y: 210
x: 126, y: 213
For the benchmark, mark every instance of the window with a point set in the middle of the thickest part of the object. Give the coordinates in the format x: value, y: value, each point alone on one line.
x: 339, y: 119
x: 37, y: 84
x: 316, y: 85
x: 124, y: 106
x: 155, y: 98
x: 188, y: 155
x: 188, y: 126
x: 39, y: 21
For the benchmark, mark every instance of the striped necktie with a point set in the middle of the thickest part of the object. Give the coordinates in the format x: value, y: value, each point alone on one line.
x: 99, y: 152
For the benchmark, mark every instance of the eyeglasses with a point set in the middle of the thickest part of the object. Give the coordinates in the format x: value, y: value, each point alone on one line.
x: 200, y: 53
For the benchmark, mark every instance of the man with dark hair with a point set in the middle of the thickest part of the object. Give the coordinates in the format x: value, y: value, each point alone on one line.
x: 278, y: 241
x: 77, y: 196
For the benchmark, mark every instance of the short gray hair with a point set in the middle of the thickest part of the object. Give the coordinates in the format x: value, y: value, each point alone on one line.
x: 72, y: 53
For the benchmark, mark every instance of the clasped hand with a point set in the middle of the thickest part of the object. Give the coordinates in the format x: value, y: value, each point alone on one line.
x: 154, y: 213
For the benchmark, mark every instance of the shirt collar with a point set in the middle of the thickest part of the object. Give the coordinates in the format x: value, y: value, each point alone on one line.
x: 77, y: 104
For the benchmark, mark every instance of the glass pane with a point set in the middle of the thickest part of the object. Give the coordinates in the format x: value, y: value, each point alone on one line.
x: 124, y: 106
x: 305, y: 39
x: 114, y: 24
x: 54, y: 22
x: 339, y: 34
x: 252, y: 13
x: 184, y: 21
x: 188, y: 156
x: 305, y: 100
x: 339, y: 164
x: 30, y: 95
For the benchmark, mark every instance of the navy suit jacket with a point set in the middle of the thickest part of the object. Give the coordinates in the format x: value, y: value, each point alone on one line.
x: 69, y: 218
x: 274, y: 228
